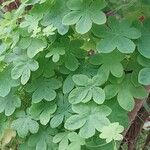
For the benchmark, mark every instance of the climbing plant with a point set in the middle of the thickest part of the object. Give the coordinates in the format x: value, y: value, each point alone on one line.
x: 70, y: 71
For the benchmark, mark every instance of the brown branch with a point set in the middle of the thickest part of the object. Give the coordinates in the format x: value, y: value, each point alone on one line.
x: 135, y: 129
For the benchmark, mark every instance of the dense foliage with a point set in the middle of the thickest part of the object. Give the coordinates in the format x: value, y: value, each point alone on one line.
x: 70, y: 71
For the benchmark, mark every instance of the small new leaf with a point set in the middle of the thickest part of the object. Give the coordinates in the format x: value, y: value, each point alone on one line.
x: 112, y: 132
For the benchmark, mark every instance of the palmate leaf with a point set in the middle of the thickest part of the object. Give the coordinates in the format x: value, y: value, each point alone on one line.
x: 83, y: 13
x: 31, y: 22
x: 73, y: 52
x: 9, y: 103
x: 43, y: 89
x: 64, y: 138
x: 126, y: 91
x: 58, y: 10
x: 63, y: 111
x: 86, y: 90
x: 43, y: 111
x: 46, y: 68
x: 112, y: 132
x: 36, y: 46
x: 33, y: 45
x: 6, y: 82
x: 43, y: 140
x: 25, y: 124
x: 118, y: 34
x: 49, y: 30
x: 22, y: 64
x: 55, y: 52
x: 110, y: 63
x: 88, y: 118
x: 144, y: 44
x: 22, y: 68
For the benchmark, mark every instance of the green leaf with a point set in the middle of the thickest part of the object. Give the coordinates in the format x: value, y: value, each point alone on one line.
x: 36, y: 46
x: 110, y: 63
x: 98, y: 95
x: 118, y: 113
x: 43, y: 139
x: 88, y: 89
x: 49, y: 30
x: 46, y: 68
x: 111, y: 91
x: 25, y: 124
x: 96, y: 143
x: 58, y: 10
x: 144, y: 76
x: 22, y: 68
x: 6, y: 82
x: 43, y: 89
x: 55, y: 53
x: 64, y: 138
x: 126, y: 91
x: 118, y: 34
x: 84, y: 13
x: 80, y: 80
x: 31, y: 22
x: 73, y: 51
x: 71, y: 62
x: 85, y: 115
x: 112, y: 132
x: 143, y: 43
x: 9, y: 103
x: 81, y: 68
x: 43, y: 111
x: 63, y: 111
x: 68, y: 85
x: 145, y: 62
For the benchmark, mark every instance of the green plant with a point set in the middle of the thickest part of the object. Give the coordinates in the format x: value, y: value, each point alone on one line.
x: 70, y: 72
